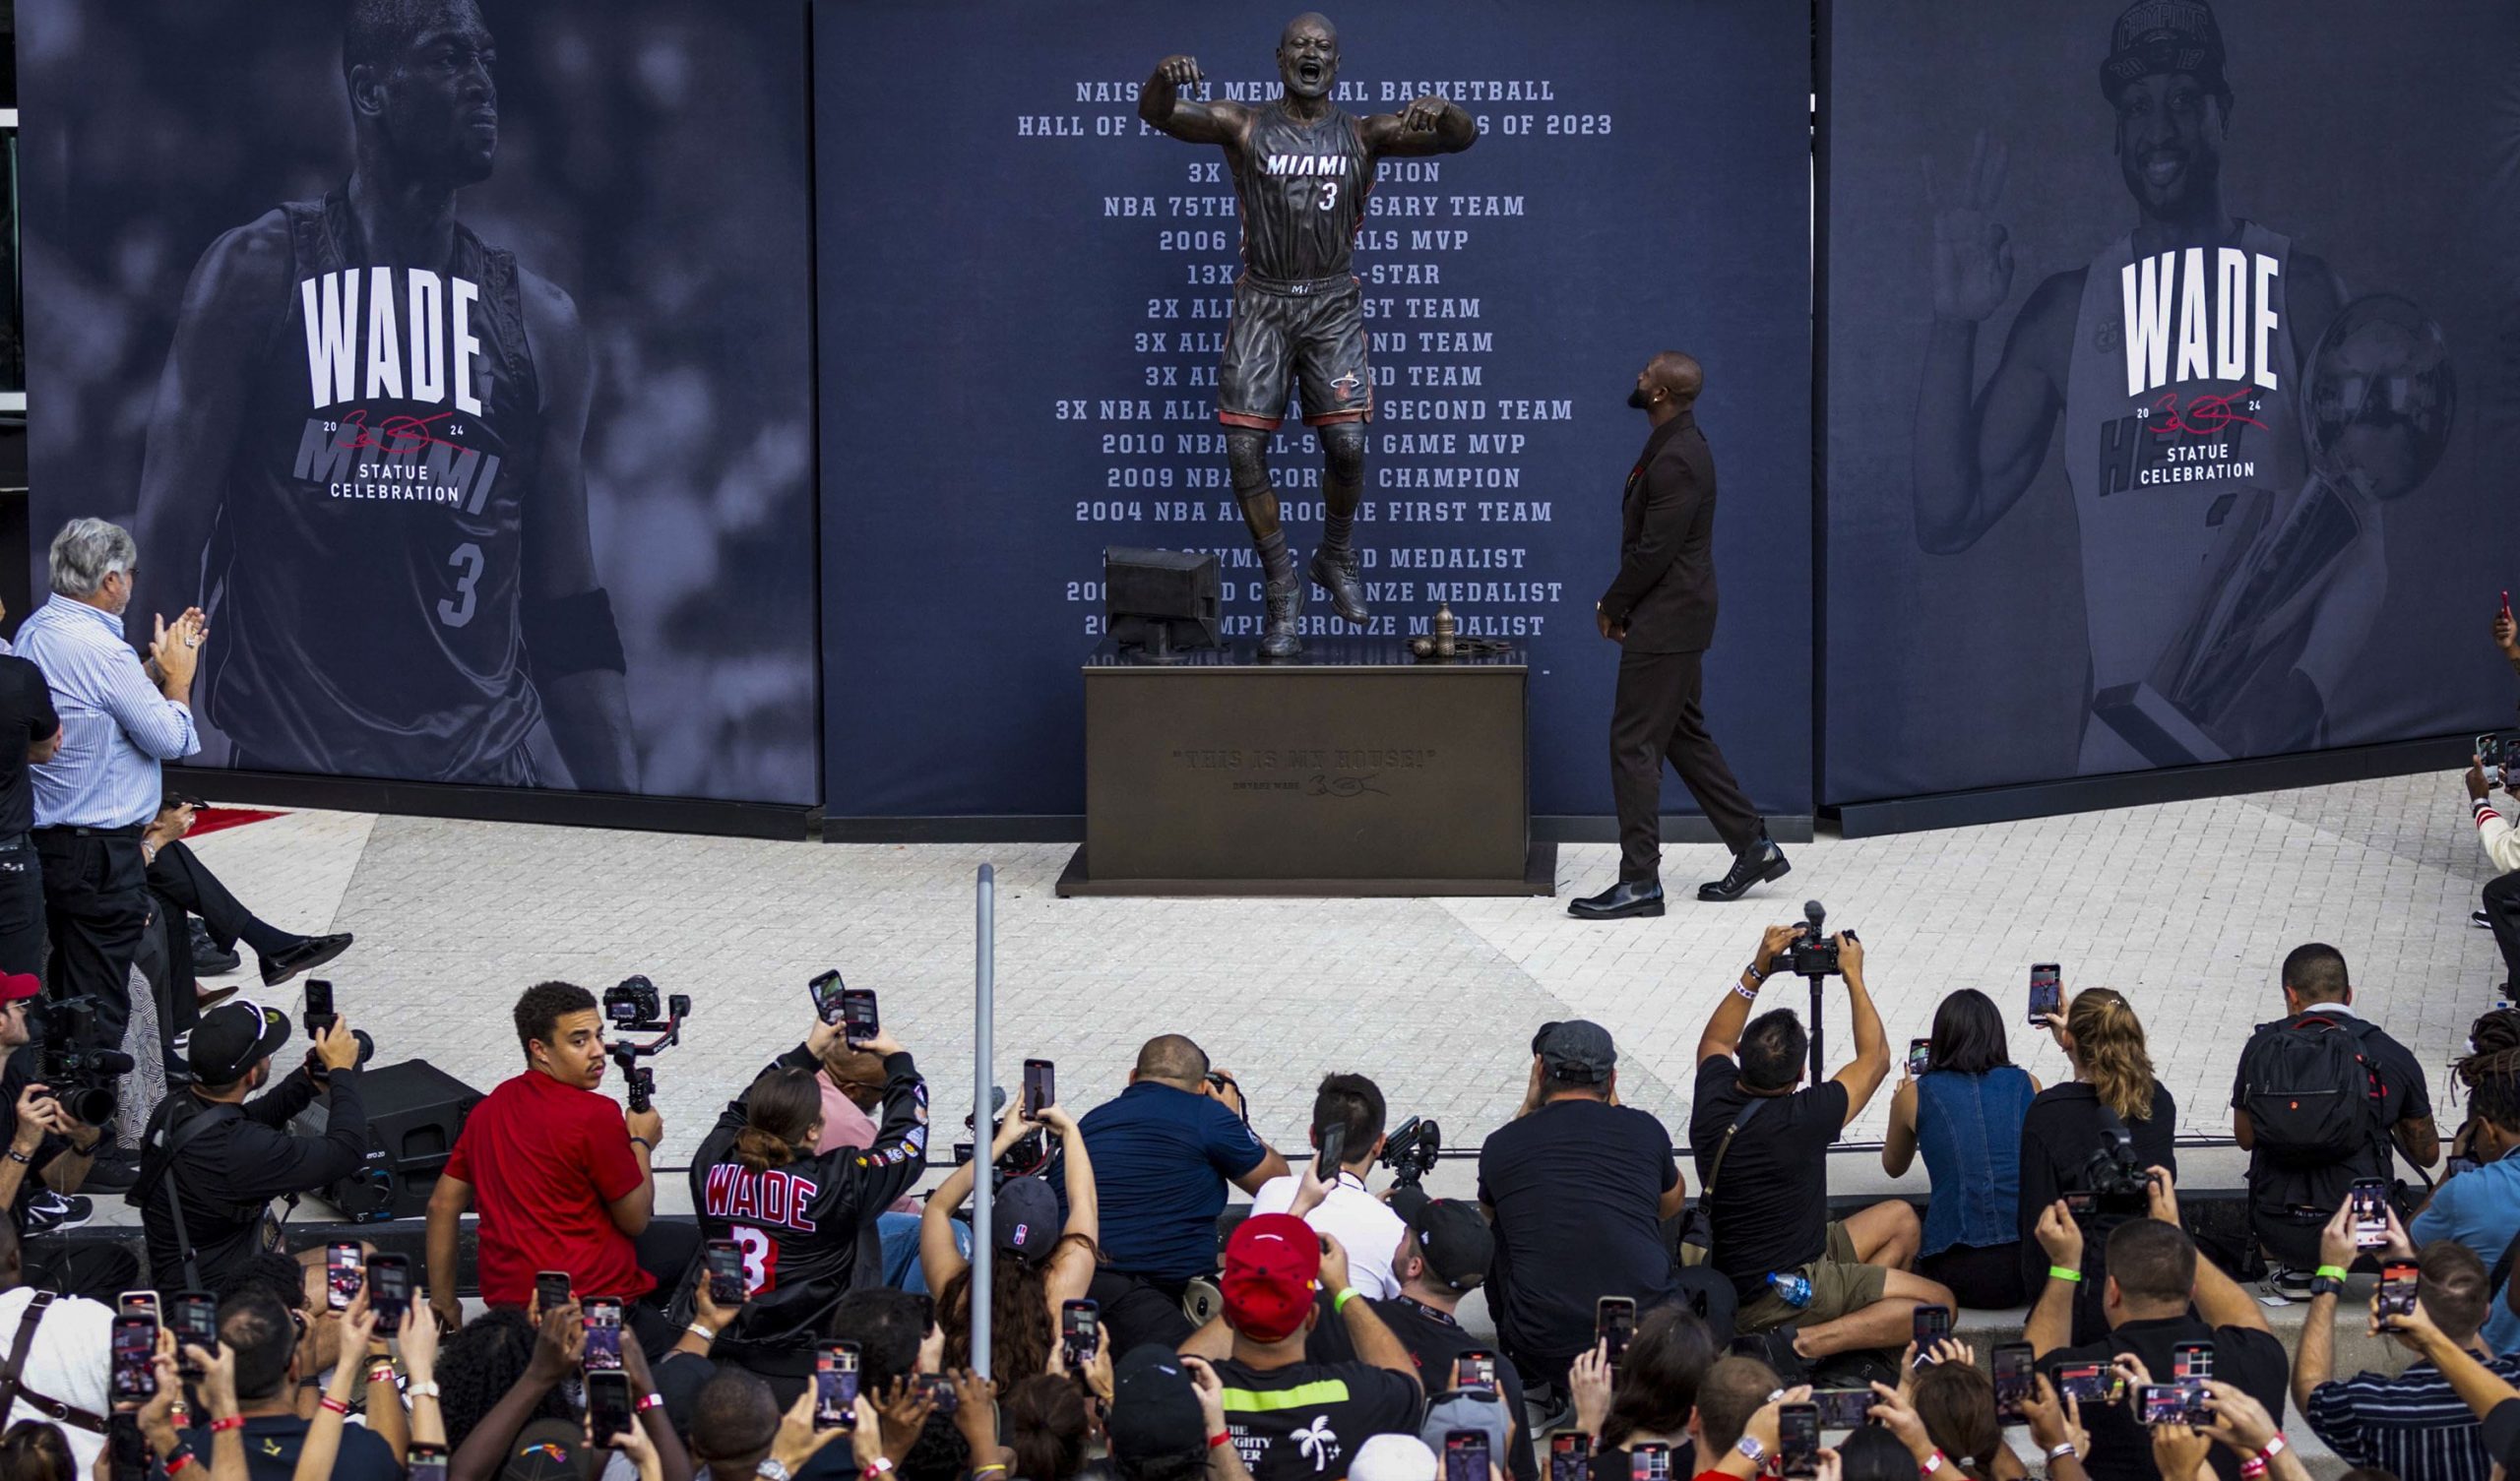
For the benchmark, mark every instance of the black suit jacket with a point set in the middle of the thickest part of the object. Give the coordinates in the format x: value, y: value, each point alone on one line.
x: 1665, y: 590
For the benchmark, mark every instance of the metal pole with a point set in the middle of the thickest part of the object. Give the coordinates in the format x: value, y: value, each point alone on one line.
x: 1817, y: 1074
x: 983, y: 1014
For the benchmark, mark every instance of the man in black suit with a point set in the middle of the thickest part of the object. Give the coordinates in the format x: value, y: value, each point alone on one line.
x: 1660, y: 612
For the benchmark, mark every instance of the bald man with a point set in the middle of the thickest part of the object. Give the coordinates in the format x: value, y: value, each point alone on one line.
x: 1661, y: 611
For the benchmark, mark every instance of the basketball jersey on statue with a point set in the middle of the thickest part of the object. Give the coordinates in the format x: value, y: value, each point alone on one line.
x: 1300, y: 188
x: 2165, y: 441
x: 365, y: 568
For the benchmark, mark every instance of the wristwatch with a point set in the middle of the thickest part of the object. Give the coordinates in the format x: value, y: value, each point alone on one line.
x: 771, y: 1470
x: 2325, y: 1285
x: 1752, y: 1451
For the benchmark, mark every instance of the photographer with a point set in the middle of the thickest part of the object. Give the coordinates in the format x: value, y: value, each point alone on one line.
x: 1345, y: 1207
x: 1762, y: 1150
x: 212, y: 1160
x: 2112, y: 1120
x: 48, y: 1148
x: 560, y: 1176
x: 2480, y: 1207
x: 1445, y: 1249
x: 805, y: 1222
x: 2502, y: 845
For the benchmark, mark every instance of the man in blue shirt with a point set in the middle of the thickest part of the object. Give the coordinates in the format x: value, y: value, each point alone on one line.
x: 2480, y: 1207
x: 1163, y: 1150
x: 119, y: 719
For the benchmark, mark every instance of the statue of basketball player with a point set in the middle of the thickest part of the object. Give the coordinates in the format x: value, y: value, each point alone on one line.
x: 1301, y: 167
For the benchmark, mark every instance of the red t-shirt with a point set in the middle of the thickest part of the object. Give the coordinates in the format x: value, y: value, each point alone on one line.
x: 545, y: 1161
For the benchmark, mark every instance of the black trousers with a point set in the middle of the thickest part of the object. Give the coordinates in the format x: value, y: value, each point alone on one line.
x: 180, y: 883
x: 1140, y: 1309
x: 95, y: 898
x: 2502, y: 912
x: 21, y: 934
x: 1656, y: 717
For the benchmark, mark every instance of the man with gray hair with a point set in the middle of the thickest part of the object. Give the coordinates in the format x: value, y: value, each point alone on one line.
x: 119, y: 719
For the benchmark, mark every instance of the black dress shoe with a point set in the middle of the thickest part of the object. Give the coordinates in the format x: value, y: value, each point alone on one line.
x: 1625, y: 898
x: 113, y: 1171
x: 306, y: 955
x: 210, y: 958
x: 1757, y: 864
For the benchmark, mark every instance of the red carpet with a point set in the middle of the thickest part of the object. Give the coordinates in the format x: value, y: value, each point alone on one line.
x: 211, y: 820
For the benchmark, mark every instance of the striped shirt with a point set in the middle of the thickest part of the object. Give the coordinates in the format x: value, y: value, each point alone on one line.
x: 115, y: 727
x: 2413, y: 1426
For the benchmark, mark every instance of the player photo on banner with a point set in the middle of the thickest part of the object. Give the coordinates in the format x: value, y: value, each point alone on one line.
x: 455, y: 355
x: 2164, y: 401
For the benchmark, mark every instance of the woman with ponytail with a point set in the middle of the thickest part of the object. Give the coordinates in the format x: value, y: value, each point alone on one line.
x: 803, y: 1223
x: 2068, y: 1124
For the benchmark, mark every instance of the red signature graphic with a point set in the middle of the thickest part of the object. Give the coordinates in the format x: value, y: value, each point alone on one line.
x: 397, y: 435
x: 2207, y: 415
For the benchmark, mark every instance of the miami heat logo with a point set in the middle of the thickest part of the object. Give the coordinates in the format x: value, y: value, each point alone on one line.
x: 1345, y: 386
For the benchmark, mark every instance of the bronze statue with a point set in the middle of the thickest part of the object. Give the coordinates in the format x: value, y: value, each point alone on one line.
x: 1302, y: 166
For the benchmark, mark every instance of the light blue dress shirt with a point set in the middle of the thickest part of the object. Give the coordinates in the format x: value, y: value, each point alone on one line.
x: 115, y: 727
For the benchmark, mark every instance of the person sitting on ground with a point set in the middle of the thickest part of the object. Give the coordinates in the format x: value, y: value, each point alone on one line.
x: 851, y: 1082
x: 1445, y: 1250
x: 1963, y: 1113
x: 1344, y: 1207
x: 50, y: 1153
x: 804, y: 1221
x: 1762, y: 1155
x: 2413, y: 1424
x: 2303, y: 1153
x: 2154, y: 1276
x: 2113, y: 1079
x: 1578, y: 1188
x: 2480, y: 1206
x: 1041, y: 1266
x: 1648, y: 1397
x: 1163, y: 1150
x: 1284, y: 1411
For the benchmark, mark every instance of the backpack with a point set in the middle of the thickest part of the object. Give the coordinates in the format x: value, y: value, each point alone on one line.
x: 2311, y: 1095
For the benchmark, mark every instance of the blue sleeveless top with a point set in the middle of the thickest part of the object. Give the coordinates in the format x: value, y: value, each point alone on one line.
x: 1969, y: 1128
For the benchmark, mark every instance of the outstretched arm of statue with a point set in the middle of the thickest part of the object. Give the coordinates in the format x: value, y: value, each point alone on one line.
x: 1161, y: 103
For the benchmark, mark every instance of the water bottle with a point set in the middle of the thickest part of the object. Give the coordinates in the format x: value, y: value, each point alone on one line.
x: 1796, y: 1288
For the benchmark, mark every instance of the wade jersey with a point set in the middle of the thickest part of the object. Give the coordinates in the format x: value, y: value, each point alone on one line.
x: 1300, y: 188
x: 364, y: 576
x: 2179, y: 405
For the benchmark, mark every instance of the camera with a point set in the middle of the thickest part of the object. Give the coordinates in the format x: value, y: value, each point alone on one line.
x: 81, y: 1076
x: 1036, y: 1154
x: 2115, y: 1177
x: 1410, y: 1152
x: 633, y: 1005
x: 1812, y: 953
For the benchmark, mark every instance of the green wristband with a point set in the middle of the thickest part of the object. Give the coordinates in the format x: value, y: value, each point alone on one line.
x: 1338, y: 1303
x: 2332, y: 1272
x: 2060, y: 1272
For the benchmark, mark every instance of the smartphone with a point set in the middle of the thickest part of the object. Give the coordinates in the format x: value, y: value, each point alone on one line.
x: 2397, y: 1293
x: 342, y: 1270
x: 1041, y: 1087
x: 825, y: 990
x: 128, y: 1446
x: 2173, y: 1404
x: 389, y: 1289
x: 1080, y: 1332
x: 1465, y: 1455
x: 1920, y: 1057
x: 836, y: 1386
x: 607, y: 1406
x: 196, y: 1324
x: 1570, y: 1455
x: 1613, y: 1325
x: 1798, y: 1437
x: 2014, y: 1380
x: 938, y: 1391
x: 319, y: 1007
x: 2047, y: 992
x: 602, y: 1322
x: 1334, y: 1149
x: 550, y: 1290
x: 424, y: 1461
x: 2191, y: 1362
x: 1843, y: 1408
x: 1930, y: 1325
x: 2087, y: 1382
x: 725, y: 1272
x: 1649, y: 1461
x: 137, y: 1304
x: 1475, y: 1372
x: 859, y: 1022
x: 135, y: 1352
x: 2370, y: 1197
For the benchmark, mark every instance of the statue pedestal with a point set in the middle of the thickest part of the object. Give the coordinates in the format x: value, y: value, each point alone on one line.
x: 1351, y: 771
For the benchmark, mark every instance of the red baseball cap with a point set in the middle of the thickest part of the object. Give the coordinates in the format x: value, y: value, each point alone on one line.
x: 15, y: 987
x: 1271, y: 1267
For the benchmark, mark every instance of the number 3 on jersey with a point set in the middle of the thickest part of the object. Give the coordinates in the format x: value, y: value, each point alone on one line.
x: 761, y: 1257
x: 466, y: 559
x: 1329, y: 196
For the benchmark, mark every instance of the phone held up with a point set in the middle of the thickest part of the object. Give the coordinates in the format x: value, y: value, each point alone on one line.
x: 1613, y: 1325
x: 836, y: 1386
x: 2047, y: 992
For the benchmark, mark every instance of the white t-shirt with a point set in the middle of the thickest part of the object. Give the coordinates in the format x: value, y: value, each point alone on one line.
x: 69, y: 1361
x: 1364, y: 1226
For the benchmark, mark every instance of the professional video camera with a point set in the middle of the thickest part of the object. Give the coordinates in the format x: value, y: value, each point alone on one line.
x: 1036, y: 1154
x: 2116, y: 1177
x: 81, y: 1075
x: 1812, y: 953
x: 631, y: 1006
x: 1410, y: 1152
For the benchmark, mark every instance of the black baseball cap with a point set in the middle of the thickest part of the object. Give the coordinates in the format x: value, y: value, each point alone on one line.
x: 1577, y: 1051
x: 1155, y: 1406
x: 230, y: 1039
x: 2153, y: 36
x: 1025, y: 1220
x: 1452, y: 1234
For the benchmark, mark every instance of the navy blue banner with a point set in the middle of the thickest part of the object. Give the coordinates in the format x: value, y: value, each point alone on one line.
x: 2170, y: 388
x: 1025, y: 290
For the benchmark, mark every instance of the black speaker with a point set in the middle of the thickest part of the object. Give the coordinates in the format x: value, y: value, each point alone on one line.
x: 1158, y: 602
x: 414, y: 1112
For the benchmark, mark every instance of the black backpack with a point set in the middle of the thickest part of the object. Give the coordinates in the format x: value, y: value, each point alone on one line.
x: 2313, y: 1094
